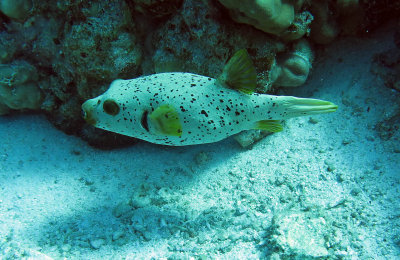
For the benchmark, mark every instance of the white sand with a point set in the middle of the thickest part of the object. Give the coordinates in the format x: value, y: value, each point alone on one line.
x: 63, y: 198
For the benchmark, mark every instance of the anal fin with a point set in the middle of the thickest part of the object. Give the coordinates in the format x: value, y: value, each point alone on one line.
x: 269, y: 125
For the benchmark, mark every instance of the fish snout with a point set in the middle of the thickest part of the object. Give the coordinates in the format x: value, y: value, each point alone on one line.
x: 87, y: 113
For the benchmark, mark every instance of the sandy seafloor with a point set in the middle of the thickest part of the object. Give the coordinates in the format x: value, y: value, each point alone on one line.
x: 325, y: 186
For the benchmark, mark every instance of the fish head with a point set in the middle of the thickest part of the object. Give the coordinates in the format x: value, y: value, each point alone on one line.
x: 112, y: 112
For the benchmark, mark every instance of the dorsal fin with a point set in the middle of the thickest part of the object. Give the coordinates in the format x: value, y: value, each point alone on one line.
x: 239, y: 73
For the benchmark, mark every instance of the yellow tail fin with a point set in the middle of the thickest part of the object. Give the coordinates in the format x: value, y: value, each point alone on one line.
x: 294, y: 106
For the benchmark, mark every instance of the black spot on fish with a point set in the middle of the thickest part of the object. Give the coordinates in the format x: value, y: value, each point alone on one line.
x: 204, y: 113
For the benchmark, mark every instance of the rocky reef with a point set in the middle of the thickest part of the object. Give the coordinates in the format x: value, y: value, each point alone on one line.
x: 55, y: 55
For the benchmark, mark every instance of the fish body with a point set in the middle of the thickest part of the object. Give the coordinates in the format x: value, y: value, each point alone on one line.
x: 186, y: 109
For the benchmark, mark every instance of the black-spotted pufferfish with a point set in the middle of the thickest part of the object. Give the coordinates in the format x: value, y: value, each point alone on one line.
x: 185, y: 109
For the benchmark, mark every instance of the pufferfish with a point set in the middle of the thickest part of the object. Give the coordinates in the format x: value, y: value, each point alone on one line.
x: 180, y: 109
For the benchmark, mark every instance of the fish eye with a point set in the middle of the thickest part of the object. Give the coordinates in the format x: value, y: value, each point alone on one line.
x: 111, y: 107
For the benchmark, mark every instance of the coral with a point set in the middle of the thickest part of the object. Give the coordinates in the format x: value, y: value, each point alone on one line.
x: 116, y: 54
x: 18, y: 88
x: 299, y: 27
x: 278, y: 17
x: 323, y: 20
x: 195, y: 40
x: 16, y: 9
x: 292, y: 69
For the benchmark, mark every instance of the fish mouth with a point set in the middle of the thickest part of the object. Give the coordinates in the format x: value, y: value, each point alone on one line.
x: 87, y: 113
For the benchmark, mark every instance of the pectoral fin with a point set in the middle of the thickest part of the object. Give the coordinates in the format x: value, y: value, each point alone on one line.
x: 165, y: 120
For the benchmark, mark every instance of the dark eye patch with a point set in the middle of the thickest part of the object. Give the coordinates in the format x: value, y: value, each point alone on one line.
x: 143, y: 121
x: 111, y: 107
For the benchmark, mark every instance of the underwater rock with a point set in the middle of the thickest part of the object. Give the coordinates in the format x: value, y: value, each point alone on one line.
x: 97, y: 243
x: 387, y: 66
x: 247, y: 138
x: 16, y: 9
x: 79, y: 48
x: 94, y: 52
x: 277, y: 17
x: 388, y: 126
x: 18, y: 87
x: 200, y: 39
x: 101, y: 49
x: 348, y: 17
x: 324, y: 28
x: 300, y: 235
x: 8, y: 47
x: 156, y: 8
